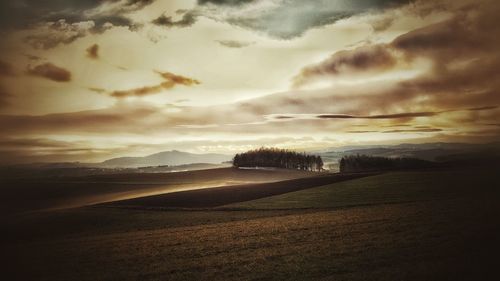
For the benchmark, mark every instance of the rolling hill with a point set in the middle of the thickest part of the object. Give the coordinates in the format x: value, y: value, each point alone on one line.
x: 171, y: 158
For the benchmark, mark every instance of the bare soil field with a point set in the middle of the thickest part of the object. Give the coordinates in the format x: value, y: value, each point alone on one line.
x: 213, y: 197
x: 31, y: 194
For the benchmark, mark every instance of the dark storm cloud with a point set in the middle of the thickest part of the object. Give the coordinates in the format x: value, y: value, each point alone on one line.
x: 50, y: 34
x: 71, y: 19
x: 20, y: 14
x: 188, y: 19
x: 286, y: 20
x: 292, y: 18
x: 51, y: 72
x: 93, y: 51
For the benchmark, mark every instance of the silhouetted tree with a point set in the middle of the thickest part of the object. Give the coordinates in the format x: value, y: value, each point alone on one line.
x: 363, y: 163
x: 279, y: 158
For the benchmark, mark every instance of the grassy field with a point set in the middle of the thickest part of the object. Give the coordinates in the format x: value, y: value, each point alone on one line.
x: 424, y: 225
x: 394, y: 187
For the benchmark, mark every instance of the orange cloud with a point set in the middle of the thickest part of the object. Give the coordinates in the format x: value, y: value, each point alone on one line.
x: 178, y: 79
x: 93, y: 52
x: 171, y: 80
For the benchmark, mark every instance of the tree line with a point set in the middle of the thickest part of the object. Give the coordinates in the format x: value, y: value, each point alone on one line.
x: 278, y: 158
x: 363, y: 163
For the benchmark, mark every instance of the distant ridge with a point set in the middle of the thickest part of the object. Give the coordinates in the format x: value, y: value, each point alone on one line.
x: 410, y: 146
x: 438, y: 151
x: 171, y: 158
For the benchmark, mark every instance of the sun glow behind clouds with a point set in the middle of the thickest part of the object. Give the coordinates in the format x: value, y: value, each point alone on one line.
x: 382, y: 73
x: 357, y: 80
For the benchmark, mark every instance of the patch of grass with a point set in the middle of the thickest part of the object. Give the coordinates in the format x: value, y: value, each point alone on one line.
x: 417, y: 241
x: 91, y: 221
x: 386, y: 188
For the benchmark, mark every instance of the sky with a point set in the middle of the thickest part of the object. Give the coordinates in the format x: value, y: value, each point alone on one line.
x: 88, y: 80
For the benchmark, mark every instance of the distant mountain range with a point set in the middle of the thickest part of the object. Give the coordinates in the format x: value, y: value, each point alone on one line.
x: 170, y: 158
x: 439, y: 151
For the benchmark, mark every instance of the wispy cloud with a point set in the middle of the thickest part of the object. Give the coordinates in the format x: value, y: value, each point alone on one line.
x: 170, y: 81
x: 428, y: 130
x: 381, y: 116
x: 234, y: 43
x: 362, y: 59
x: 51, y: 72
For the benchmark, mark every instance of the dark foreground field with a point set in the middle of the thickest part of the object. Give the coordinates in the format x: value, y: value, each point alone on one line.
x: 421, y: 225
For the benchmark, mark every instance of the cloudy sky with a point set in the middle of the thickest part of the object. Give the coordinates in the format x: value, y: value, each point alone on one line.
x: 86, y: 80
